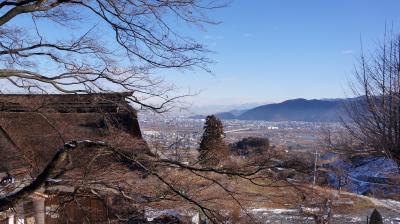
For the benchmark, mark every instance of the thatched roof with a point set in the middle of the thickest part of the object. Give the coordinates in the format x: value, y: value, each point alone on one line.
x: 32, y: 127
x: 65, y: 103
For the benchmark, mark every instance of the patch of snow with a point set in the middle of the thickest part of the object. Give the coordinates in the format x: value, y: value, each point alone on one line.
x: 310, y: 210
x: 272, y: 210
x: 151, y: 214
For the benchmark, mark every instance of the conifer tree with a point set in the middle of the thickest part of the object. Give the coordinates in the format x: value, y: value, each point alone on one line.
x: 212, y: 146
x: 376, y: 218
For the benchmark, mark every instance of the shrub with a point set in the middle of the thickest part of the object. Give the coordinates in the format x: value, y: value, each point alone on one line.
x: 250, y: 146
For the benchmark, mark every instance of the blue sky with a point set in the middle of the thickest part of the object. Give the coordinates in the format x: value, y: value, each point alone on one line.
x: 273, y: 50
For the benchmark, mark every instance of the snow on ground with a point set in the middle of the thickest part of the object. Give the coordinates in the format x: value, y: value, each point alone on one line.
x: 272, y: 210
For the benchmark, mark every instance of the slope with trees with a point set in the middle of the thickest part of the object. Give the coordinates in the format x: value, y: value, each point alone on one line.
x: 375, y: 118
x: 297, y: 110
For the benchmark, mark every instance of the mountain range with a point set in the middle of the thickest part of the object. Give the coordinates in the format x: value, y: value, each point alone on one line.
x: 326, y: 110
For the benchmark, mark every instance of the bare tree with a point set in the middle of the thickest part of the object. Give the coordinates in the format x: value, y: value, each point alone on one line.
x: 108, y: 165
x: 374, y: 114
x: 89, y: 46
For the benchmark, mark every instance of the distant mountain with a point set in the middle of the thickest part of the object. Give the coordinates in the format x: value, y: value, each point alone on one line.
x: 326, y: 110
x: 238, y: 112
x: 222, y: 116
x: 197, y: 117
x: 225, y: 116
x: 236, y: 109
x: 297, y: 110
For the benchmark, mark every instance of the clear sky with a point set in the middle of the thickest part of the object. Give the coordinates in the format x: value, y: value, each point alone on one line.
x: 273, y: 50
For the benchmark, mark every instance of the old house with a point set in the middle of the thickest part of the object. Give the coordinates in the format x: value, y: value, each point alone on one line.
x: 33, y: 127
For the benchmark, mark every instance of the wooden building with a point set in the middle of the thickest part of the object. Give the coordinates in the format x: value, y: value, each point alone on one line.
x: 33, y: 127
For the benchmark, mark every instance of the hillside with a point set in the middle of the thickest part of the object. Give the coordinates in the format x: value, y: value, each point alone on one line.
x: 297, y: 110
x: 326, y: 110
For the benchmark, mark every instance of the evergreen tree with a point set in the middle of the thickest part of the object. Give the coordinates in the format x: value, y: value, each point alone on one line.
x: 375, y: 218
x: 212, y: 146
